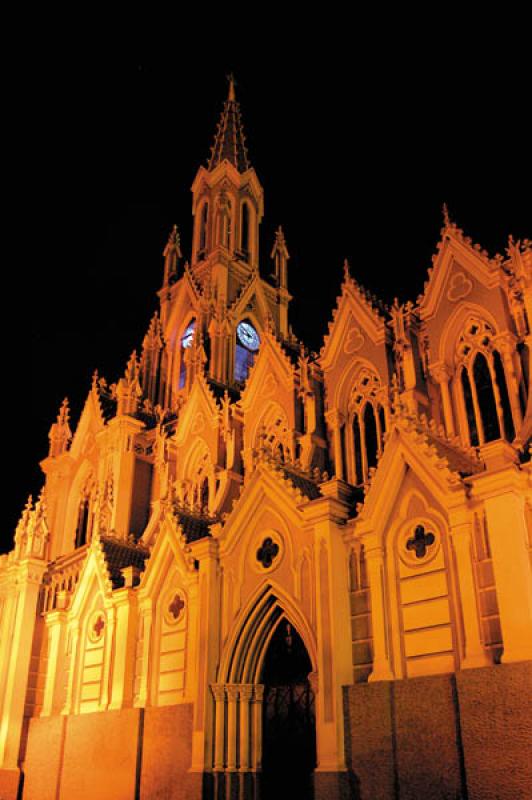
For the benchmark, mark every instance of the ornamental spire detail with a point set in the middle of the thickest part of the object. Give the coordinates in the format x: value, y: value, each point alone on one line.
x: 230, y: 141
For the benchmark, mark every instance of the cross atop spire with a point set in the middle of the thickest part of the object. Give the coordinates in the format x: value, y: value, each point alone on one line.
x: 230, y: 141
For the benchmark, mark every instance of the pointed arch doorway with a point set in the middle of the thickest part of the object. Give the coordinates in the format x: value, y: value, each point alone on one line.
x: 289, y: 717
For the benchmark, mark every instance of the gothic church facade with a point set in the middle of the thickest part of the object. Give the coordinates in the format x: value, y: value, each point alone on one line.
x: 238, y: 515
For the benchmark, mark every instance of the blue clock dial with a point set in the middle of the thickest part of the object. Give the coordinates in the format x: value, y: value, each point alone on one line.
x: 186, y: 339
x: 248, y: 336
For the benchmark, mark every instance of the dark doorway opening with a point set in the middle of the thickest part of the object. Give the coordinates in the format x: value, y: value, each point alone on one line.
x: 289, y: 722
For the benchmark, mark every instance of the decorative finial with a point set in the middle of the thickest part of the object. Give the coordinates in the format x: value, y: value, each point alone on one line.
x: 446, y: 218
x: 63, y: 415
x: 231, y: 97
x: 347, y: 272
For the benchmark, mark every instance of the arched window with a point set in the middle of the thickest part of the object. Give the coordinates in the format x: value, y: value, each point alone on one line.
x: 370, y: 430
x: 368, y: 423
x: 244, y: 232
x: 247, y: 344
x: 202, y: 241
x: 83, y: 522
x: 486, y: 398
x: 500, y: 378
x: 186, y: 342
x: 488, y: 411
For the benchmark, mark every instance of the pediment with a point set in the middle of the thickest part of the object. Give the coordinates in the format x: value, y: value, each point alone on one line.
x: 267, y: 488
x: 90, y: 424
x: 271, y: 373
x: 94, y: 578
x: 253, y: 297
x: 200, y: 413
x: 408, y: 449
x: 457, y: 271
x: 356, y: 323
x: 183, y: 306
x: 167, y: 553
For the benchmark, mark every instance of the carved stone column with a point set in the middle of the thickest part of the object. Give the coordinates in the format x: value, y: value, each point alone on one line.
x: 507, y: 350
x: 218, y: 691
x: 256, y: 755
x: 475, y: 654
x: 233, y: 691
x: 246, y: 693
x: 441, y: 374
x: 382, y: 670
x: 335, y: 421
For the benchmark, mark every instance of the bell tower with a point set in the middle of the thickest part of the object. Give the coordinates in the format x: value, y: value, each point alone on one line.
x: 227, y: 205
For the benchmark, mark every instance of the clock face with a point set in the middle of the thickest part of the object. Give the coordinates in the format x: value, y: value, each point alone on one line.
x: 248, y: 336
x: 186, y: 339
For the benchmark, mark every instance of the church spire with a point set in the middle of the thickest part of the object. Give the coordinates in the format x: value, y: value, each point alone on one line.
x: 230, y: 141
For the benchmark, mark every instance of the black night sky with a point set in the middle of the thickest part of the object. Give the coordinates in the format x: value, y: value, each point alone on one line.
x: 358, y: 138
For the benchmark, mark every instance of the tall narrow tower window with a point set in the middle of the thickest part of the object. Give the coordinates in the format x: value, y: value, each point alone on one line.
x: 247, y: 344
x: 202, y: 243
x: 244, y: 232
x: 83, y: 522
x: 186, y: 342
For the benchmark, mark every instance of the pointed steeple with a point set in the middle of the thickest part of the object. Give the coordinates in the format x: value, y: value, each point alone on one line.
x: 230, y: 141
x: 172, y: 254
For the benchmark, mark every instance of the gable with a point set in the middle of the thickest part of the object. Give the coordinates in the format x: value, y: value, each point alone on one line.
x: 408, y: 450
x: 357, y: 327
x: 90, y: 424
x: 460, y: 271
x: 270, y: 378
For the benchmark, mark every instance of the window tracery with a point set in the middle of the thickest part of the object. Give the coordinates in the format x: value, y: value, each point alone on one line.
x: 196, y: 490
x: 483, y: 386
x: 367, y: 420
x: 275, y: 436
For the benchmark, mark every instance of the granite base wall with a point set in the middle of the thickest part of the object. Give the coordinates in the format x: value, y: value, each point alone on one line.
x: 130, y: 754
x: 446, y: 737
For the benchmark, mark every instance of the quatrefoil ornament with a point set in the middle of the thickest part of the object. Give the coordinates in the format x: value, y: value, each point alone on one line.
x: 267, y: 552
x: 421, y: 541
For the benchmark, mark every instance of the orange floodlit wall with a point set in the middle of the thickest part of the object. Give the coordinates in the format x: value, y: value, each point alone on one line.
x: 367, y: 511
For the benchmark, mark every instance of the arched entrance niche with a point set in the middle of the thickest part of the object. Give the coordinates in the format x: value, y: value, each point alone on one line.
x: 289, y: 716
x: 243, y: 702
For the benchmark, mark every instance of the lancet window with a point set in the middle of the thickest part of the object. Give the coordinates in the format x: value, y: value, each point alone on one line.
x: 482, y: 385
x: 367, y: 424
x: 186, y: 342
x: 85, y: 514
x: 202, y: 240
x: 244, y: 232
